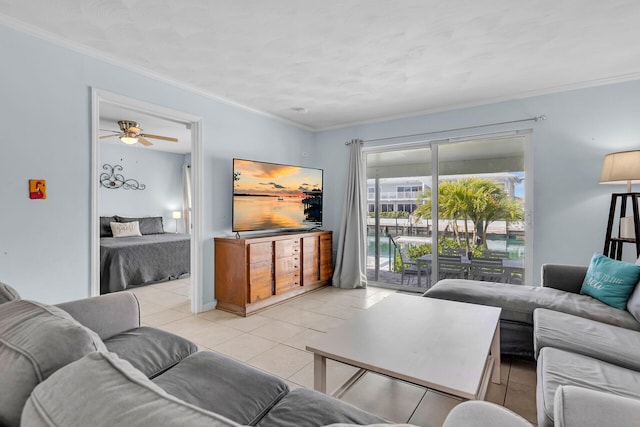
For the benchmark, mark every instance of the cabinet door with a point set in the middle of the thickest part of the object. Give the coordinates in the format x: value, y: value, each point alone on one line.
x: 260, y: 281
x: 326, y: 257
x: 260, y: 271
x: 310, y: 260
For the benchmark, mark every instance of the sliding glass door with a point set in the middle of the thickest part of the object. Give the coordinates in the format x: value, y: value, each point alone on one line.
x: 465, y: 198
x: 396, y: 179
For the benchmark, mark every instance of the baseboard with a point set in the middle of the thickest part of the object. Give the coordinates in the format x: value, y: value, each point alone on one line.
x: 209, y: 306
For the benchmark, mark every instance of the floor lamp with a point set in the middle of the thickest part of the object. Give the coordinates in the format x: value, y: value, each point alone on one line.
x: 622, y: 168
x: 176, y: 215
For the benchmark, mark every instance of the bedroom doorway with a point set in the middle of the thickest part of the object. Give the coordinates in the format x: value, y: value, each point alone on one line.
x: 169, y: 200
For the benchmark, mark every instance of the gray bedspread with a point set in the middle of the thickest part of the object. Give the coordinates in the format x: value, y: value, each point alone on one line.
x: 138, y: 260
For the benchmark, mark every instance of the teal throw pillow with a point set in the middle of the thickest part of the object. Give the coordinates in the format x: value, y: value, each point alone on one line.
x: 610, y: 281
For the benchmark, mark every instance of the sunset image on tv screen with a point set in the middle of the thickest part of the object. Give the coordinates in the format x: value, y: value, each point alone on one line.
x: 274, y: 196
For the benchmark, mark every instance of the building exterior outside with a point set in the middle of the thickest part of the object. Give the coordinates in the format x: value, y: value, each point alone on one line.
x: 401, y: 194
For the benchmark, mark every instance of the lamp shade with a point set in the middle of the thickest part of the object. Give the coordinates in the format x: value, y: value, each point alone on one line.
x: 621, y: 168
x: 176, y: 214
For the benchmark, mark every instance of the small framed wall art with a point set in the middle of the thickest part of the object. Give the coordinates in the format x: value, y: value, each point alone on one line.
x: 37, y: 188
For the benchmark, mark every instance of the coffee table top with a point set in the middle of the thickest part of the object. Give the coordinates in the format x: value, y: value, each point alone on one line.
x: 434, y: 343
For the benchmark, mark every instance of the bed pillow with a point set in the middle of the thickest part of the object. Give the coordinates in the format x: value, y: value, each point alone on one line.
x: 125, y: 229
x: 148, y: 225
x: 610, y: 281
x: 105, y: 225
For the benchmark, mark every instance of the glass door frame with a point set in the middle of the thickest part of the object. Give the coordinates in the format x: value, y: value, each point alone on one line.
x: 433, y: 146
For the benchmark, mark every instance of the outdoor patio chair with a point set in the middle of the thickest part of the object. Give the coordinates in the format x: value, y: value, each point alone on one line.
x: 492, y: 253
x: 454, y: 252
x: 451, y: 267
x: 408, y: 267
x: 487, y: 270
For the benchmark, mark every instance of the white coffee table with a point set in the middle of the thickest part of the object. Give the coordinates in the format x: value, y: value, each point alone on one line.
x: 448, y: 346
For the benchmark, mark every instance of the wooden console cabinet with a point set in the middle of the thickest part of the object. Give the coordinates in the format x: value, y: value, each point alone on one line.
x: 256, y: 272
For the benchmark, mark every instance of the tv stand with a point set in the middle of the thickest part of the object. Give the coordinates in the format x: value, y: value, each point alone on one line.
x: 256, y: 272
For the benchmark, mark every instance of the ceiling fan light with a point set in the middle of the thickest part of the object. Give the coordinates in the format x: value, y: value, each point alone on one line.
x: 129, y: 138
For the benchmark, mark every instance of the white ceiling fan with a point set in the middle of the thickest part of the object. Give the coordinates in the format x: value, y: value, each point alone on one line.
x: 131, y: 132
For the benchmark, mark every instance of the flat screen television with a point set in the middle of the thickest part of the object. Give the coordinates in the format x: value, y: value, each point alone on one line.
x: 271, y: 196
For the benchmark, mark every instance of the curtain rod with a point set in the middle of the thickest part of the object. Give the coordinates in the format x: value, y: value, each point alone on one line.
x: 531, y: 119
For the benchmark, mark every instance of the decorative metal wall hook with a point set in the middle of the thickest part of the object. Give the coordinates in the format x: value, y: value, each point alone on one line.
x: 112, y: 179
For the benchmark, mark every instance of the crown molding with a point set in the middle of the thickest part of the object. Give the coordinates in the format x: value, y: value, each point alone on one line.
x: 60, y: 41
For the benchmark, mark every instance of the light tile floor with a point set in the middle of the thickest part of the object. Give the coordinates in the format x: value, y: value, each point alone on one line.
x: 274, y: 341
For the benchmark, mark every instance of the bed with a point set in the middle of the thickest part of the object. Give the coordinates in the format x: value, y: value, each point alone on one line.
x: 151, y: 257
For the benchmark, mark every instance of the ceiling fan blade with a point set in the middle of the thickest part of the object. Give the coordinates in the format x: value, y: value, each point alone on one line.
x: 109, y: 136
x: 109, y: 130
x: 144, y: 142
x: 134, y: 129
x: 164, y: 138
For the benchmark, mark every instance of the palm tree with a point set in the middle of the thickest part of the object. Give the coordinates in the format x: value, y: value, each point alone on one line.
x: 479, y: 200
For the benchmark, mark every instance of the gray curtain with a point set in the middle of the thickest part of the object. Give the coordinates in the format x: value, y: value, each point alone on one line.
x: 351, y: 258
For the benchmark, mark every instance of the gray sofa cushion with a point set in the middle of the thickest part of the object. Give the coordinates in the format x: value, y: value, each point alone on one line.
x: 7, y: 293
x: 35, y: 341
x: 579, y: 407
x: 303, y: 407
x: 518, y: 301
x: 609, y: 343
x: 477, y: 413
x: 152, y: 351
x: 101, y: 390
x: 219, y: 384
x: 107, y: 315
x: 558, y: 367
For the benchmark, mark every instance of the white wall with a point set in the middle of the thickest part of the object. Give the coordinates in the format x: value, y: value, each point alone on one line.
x: 570, y: 208
x: 46, y: 134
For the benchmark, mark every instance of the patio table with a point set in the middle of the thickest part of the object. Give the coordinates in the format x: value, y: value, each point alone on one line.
x: 511, y: 266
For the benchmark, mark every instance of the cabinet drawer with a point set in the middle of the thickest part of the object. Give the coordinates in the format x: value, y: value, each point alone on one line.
x: 260, y: 252
x: 260, y: 281
x: 287, y: 265
x: 287, y: 248
x: 286, y: 282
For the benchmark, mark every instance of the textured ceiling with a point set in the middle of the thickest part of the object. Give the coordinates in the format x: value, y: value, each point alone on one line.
x: 351, y: 61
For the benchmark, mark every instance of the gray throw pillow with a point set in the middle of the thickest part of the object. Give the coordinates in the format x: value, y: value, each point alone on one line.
x: 103, y: 390
x: 633, y: 304
x: 148, y: 225
x: 35, y: 341
x: 7, y: 293
x: 105, y: 225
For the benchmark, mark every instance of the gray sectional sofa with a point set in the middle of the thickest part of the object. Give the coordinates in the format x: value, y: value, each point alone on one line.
x: 90, y: 362
x: 588, y: 353
x: 560, y: 291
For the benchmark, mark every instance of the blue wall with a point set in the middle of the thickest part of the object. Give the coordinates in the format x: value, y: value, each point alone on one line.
x: 46, y: 134
x: 160, y: 172
x: 45, y: 109
x: 570, y: 208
